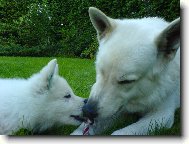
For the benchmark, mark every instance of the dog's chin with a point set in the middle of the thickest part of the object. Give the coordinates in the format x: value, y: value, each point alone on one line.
x: 105, y: 121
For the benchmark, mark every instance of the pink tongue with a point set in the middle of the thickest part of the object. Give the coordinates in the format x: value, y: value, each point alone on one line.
x: 86, y: 131
x: 86, y: 127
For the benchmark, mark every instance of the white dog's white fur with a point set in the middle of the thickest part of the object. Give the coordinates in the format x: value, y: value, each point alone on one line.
x: 137, y: 70
x: 37, y: 103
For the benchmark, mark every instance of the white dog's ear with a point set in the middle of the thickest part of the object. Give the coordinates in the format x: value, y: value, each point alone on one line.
x: 169, y: 41
x: 102, y: 23
x: 48, y: 72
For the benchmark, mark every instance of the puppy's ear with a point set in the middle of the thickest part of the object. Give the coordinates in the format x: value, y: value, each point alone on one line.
x: 48, y: 72
x: 56, y: 70
x: 101, y: 22
x: 168, y: 41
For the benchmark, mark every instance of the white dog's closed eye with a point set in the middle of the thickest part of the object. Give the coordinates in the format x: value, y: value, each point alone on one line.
x: 126, y: 81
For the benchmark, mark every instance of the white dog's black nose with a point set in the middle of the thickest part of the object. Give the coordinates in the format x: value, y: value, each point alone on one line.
x: 89, y: 111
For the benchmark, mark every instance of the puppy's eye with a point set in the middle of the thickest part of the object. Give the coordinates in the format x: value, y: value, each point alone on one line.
x: 126, y: 81
x: 67, y: 96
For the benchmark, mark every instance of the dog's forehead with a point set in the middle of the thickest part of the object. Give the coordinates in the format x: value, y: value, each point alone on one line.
x: 118, y: 50
x: 130, y: 46
x: 124, y: 60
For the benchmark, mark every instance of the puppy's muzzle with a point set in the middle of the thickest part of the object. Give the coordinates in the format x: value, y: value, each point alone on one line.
x: 85, y: 101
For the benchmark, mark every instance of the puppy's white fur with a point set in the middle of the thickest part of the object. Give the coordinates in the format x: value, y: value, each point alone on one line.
x: 38, y: 102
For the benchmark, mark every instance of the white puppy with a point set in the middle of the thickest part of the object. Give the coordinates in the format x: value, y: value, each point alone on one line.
x: 137, y: 70
x: 39, y: 102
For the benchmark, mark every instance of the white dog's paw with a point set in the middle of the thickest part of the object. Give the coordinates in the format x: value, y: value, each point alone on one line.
x: 134, y: 129
x: 119, y: 132
x: 116, y: 133
x: 123, y: 131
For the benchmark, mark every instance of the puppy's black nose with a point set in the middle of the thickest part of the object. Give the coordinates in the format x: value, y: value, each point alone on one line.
x: 85, y: 101
x: 89, y: 111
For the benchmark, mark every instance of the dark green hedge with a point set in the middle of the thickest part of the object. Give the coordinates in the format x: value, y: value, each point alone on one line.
x: 35, y: 51
x: 62, y: 27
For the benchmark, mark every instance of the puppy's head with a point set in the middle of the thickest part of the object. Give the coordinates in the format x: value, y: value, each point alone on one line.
x: 132, y: 54
x: 58, y: 102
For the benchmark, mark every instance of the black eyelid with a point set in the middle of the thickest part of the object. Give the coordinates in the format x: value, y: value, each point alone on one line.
x: 67, y: 96
x: 126, y: 81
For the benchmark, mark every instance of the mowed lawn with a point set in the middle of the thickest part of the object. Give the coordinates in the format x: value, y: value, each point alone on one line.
x: 80, y: 74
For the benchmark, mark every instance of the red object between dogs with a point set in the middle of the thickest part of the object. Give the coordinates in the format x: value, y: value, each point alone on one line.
x: 86, y: 127
x: 86, y: 131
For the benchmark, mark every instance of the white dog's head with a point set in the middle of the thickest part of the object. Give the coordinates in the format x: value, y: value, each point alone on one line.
x: 57, y: 102
x: 132, y: 54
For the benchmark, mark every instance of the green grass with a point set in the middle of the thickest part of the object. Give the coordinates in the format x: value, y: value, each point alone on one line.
x: 80, y: 74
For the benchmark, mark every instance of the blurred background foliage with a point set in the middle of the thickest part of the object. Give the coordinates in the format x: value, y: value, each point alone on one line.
x: 63, y: 28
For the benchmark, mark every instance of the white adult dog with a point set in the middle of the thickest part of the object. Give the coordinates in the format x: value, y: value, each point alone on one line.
x: 39, y: 102
x: 137, y: 70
